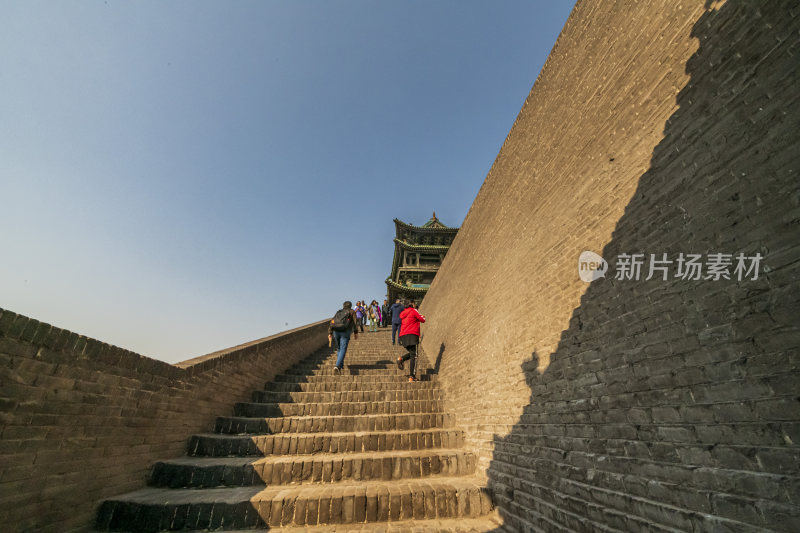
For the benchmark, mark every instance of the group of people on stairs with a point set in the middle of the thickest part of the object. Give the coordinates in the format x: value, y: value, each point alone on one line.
x: 406, y: 322
x: 376, y: 316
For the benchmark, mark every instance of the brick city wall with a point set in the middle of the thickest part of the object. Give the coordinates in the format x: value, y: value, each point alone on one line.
x: 83, y: 420
x: 662, y: 405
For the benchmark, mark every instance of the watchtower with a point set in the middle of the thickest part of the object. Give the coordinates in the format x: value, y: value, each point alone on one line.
x: 418, y: 254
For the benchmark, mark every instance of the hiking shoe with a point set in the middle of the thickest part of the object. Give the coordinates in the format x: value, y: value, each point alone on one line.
x: 400, y: 364
x: 412, y: 378
x: 337, y: 370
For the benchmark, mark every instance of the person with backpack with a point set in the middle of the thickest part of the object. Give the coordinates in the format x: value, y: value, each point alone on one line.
x: 342, y: 324
x: 395, y: 311
x: 409, y: 337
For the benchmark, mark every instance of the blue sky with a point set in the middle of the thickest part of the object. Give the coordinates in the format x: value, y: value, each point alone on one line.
x: 180, y: 177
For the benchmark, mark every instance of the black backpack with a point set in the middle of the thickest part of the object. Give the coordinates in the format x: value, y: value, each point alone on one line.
x: 341, y: 320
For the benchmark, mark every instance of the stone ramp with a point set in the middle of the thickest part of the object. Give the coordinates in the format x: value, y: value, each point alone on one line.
x: 316, y: 450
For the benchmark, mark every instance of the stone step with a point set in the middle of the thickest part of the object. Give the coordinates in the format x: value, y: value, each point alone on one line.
x: 205, y: 472
x: 350, y: 386
x: 220, y: 445
x: 382, y: 355
x: 382, y: 359
x: 356, y: 502
x: 336, y: 408
x: 317, y: 424
x: 344, y: 377
x: 398, y: 395
x: 356, y: 370
x: 485, y: 524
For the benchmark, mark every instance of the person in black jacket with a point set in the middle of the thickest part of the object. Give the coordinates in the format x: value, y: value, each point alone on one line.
x: 395, y: 310
x: 385, y: 313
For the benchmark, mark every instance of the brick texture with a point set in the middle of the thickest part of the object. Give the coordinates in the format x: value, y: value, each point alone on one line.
x: 83, y: 420
x: 621, y: 405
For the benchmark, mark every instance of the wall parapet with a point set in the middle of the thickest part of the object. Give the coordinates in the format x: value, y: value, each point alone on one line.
x: 82, y: 420
x: 19, y: 327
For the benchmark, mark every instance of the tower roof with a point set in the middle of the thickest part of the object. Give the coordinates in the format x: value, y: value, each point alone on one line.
x: 434, y: 223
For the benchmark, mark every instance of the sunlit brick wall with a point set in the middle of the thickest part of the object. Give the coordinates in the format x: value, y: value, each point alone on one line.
x: 654, y: 127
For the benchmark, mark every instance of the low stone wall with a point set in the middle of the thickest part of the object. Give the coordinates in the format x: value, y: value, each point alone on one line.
x: 83, y: 420
x: 648, y: 404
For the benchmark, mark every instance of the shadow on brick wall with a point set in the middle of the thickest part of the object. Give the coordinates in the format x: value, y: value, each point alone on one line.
x: 437, y: 365
x: 673, y: 404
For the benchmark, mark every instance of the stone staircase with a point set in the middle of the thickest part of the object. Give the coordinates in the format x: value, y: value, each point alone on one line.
x: 363, y: 450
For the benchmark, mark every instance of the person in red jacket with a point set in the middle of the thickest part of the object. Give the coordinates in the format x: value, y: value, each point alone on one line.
x: 409, y: 337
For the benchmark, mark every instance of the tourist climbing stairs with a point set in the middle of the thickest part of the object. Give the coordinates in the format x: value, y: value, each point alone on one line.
x: 320, y: 450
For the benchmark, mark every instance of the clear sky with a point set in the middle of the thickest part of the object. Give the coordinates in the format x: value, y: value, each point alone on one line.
x: 180, y: 177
